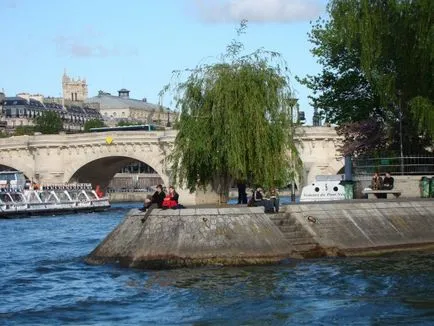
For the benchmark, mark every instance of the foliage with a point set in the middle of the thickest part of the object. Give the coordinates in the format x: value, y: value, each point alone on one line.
x: 3, y: 134
x: 49, y: 122
x: 93, y: 123
x: 235, y: 121
x: 24, y: 130
x: 128, y: 123
x: 361, y: 137
x: 377, y: 59
x: 423, y: 112
x: 341, y: 92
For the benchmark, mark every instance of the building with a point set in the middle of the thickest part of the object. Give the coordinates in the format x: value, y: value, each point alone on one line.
x: 122, y: 107
x: 74, y: 89
x: 19, y: 111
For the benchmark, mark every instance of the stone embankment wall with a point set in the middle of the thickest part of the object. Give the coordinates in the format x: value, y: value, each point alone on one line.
x: 117, y: 197
x: 192, y: 237
x: 358, y: 227
x: 246, y: 235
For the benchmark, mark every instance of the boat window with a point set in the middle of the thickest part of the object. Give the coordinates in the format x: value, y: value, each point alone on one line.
x: 7, y: 176
x: 316, y: 189
x: 5, y: 197
x: 335, y: 188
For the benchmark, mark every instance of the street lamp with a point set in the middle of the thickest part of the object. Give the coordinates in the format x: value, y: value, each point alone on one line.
x: 400, y: 133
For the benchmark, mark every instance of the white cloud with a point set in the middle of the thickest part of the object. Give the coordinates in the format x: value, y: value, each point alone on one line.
x: 87, y: 44
x: 9, y: 4
x: 258, y: 10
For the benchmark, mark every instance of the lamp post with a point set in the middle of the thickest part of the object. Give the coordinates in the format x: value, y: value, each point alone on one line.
x: 400, y: 133
x: 292, y: 161
x: 168, y: 120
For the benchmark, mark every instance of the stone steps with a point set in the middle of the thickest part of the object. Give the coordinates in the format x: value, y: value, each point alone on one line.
x: 294, y: 233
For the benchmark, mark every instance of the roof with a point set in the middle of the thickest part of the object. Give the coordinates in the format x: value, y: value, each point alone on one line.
x: 106, y: 101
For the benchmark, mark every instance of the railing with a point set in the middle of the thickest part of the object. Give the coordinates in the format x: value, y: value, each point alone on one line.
x: 145, y: 190
x: 407, y: 165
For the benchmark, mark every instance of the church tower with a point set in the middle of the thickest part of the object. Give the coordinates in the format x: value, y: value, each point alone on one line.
x: 74, y: 89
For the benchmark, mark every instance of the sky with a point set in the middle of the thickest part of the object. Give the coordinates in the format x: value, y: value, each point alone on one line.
x: 137, y: 44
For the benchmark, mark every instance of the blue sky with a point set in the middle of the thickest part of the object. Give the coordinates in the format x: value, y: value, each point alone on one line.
x: 137, y: 44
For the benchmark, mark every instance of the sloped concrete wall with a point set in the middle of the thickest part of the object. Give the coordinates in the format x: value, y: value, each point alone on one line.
x: 191, y: 237
x: 358, y: 227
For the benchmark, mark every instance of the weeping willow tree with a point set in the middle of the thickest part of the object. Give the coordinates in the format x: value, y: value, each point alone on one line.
x: 396, y: 39
x: 235, y: 121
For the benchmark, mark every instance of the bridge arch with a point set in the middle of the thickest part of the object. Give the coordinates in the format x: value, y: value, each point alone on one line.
x: 19, y: 165
x: 100, y: 170
x: 332, y: 167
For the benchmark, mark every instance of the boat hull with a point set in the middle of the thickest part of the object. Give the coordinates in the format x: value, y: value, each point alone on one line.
x: 28, y: 212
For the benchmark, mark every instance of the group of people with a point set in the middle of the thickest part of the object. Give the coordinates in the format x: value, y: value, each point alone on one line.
x: 161, y: 200
x: 269, y: 200
x: 380, y: 183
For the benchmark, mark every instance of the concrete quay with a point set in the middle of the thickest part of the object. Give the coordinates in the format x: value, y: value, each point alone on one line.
x: 193, y: 237
x: 248, y: 236
x: 358, y: 227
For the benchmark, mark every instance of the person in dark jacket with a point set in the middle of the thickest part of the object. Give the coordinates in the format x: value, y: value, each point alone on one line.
x: 258, y: 197
x: 388, y: 182
x: 156, y: 199
x: 242, y: 195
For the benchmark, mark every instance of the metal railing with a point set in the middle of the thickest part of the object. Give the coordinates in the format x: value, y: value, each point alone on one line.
x: 406, y: 165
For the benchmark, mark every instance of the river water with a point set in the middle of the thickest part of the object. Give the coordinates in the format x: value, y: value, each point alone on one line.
x: 45, y: 281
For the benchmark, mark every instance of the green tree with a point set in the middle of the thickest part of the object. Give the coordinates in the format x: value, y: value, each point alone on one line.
x: 24, y: 130
x: 93, y: 123
x: 49, y: 122
x: 234, y: 121
x: 377, y: 59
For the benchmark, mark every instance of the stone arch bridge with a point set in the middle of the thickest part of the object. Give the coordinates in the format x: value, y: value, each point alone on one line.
x: 97, y: 157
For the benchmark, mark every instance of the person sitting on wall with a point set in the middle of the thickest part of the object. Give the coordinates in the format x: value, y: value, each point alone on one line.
x: 388, y: 182
x: 155, y: 200
x: 272, y: 205
x: 171, y: 200
x: 257, y: 198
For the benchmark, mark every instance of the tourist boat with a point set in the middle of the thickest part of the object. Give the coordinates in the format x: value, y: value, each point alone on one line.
x: 325, y: 188
x: 49, y: 199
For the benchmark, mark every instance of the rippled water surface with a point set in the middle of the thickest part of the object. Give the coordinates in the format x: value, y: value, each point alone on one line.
x: 44, y: 281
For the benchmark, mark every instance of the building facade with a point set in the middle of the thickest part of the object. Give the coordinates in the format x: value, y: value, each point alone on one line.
x: 122, y: 107
x: 74, y: 89
x: 18, y: 111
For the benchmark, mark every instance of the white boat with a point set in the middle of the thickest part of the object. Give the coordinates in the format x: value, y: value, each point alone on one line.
x: 50, y: 199
x: 325, y: 188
